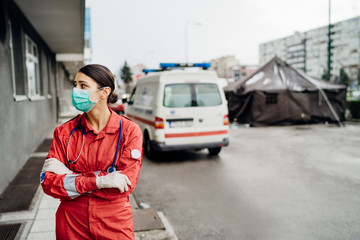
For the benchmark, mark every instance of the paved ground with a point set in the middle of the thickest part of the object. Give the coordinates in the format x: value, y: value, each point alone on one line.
x: 297, y: 182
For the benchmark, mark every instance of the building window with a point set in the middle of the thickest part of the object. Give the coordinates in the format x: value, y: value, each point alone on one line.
x: 32, y: 68
x: 47, y: 72
x: 271, y: 98
x: 49, y: 78
x: 18, y: 84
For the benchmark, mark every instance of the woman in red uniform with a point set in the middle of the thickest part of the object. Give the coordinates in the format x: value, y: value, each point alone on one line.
x: 94, y: 163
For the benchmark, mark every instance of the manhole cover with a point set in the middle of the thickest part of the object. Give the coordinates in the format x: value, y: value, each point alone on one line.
x: 146, y: 219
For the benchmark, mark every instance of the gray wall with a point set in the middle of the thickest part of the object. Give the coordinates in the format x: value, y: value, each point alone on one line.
x: 23, y: 124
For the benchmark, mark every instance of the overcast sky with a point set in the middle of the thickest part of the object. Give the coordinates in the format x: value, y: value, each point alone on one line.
x: 153, y: 31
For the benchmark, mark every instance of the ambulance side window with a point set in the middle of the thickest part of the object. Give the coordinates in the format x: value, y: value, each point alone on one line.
x: 147, y: 95
x: 132, y: 96
x: 137, y: 96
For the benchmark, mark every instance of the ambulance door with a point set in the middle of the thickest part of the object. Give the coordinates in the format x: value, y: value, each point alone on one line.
x: 179, y: 113
x: 211, y: 111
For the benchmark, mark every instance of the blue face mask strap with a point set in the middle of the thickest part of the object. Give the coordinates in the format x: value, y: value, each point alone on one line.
x: 112, y: 167
x: 78, y: 126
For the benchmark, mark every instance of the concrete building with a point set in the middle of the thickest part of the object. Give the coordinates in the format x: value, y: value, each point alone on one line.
x: 227, y: 67
x: 247, y: 70
x: 307, y: 51
x: 87, y: 37
x: 137, y: 72
x: 41, y: 48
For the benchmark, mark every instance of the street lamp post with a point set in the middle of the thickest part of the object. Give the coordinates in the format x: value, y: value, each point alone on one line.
x: 188, y: 22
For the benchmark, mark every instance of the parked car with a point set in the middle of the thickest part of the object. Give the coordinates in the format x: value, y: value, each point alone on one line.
x: 118, y: 107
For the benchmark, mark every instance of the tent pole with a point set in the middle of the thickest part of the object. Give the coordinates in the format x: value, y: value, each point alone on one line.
x: 331, y: 108
x: 326, y: 100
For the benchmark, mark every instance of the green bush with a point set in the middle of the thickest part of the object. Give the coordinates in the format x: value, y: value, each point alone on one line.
x: 354, y: 107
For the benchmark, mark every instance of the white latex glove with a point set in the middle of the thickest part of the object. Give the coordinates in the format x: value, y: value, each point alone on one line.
x: 55, y: 166
x: 113, y: 180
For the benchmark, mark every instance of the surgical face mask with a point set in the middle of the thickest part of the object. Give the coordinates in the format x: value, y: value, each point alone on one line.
x: 81, y: 99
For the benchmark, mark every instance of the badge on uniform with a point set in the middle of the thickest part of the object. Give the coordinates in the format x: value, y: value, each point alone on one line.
x: 135, y: 153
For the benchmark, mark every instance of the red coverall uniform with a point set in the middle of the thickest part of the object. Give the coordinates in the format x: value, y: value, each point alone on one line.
x: 86, y: 212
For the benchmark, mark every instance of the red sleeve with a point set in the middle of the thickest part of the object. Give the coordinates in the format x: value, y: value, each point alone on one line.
x: 129, y: 164
x: 65, y: 186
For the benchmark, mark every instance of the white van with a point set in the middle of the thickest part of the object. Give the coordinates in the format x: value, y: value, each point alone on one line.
x: 180, y: 110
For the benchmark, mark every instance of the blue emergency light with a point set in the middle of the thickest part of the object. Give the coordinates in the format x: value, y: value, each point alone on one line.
x: 184, y: 65
x: 146, y: 71
x: 169, y: 66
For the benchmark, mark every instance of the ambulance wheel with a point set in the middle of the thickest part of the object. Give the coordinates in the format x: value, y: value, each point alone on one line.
x: 214, y: 151
x: 148, y: 150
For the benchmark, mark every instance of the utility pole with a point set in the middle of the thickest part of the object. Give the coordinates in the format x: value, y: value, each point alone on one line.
x: 358, y: 83
x: 186, y: 41
x: 329, y: 46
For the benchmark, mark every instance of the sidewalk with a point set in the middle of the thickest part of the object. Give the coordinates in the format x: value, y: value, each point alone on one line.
x: 43, y: 226
x: 39, y: 221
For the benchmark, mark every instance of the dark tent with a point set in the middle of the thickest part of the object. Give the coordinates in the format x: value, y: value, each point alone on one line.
x: 278, y: 94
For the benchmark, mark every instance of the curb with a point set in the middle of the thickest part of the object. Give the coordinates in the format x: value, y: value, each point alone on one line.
x: 167, y: 234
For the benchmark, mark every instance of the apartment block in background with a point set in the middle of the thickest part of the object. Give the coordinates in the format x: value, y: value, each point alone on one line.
x: 308, y: 51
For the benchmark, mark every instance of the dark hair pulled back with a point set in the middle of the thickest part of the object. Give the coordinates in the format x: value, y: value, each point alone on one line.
x: 103, y: 77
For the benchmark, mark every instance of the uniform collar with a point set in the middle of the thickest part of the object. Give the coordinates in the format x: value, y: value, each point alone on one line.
x: 111, y: 127
x: 113, y: 124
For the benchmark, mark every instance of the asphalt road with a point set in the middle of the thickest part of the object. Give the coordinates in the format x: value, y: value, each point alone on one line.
x: 274, y: 183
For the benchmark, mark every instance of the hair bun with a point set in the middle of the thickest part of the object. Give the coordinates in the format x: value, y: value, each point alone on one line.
x: 113, y: 97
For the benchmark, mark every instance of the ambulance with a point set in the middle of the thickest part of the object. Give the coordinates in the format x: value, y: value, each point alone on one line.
x: 180, y: 107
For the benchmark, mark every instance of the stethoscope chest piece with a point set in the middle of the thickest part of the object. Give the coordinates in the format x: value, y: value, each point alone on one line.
x: 111, y: 169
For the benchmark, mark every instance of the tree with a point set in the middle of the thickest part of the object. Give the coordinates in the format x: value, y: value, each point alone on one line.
x: 344, y: 78
x: 126, y: 76
x: 324, y: 76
